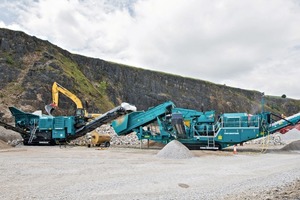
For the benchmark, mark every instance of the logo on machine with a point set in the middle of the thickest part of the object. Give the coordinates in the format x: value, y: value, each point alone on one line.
x: 231, y: 133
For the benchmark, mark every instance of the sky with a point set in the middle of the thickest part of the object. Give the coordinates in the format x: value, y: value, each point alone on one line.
x: 248, y: 44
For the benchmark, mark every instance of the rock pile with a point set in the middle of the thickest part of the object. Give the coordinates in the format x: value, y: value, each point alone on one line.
x: 11, y: 138
x: 128, y: 140
x: 290, y: 136
x: 175, y: 150
x: 4, y: 145
x: 278, y: 138
x: 293, y: 146
x: 9, y: 135
x: 273, y: 139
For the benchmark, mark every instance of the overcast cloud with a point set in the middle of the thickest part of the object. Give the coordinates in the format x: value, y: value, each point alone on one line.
x: 250, y: 44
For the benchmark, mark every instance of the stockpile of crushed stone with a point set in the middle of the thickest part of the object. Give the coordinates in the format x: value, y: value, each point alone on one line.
x: 293, y: 146
x: 4, y: 145
x: 9, y: 135
x: 278, y: 138
x: 128, y: 140
x: 9, y: 138
x: 290, y: 136
x: 124, y: 140
x: 175, y: 150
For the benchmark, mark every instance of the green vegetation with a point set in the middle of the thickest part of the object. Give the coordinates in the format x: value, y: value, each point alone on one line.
x: 9, y: 60
x: 85, y: 86
x: 10, y: 92
x: 14, y: 88
x: 102, y: 87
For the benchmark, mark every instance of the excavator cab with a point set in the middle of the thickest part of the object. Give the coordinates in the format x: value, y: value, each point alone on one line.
x: 80, y: 117
x: 80, y: 112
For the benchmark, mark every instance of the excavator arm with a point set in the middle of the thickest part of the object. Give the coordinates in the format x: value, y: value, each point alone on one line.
x: 56, y: 89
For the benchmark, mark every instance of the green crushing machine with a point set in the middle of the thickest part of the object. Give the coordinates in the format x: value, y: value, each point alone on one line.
x: 200, y: 130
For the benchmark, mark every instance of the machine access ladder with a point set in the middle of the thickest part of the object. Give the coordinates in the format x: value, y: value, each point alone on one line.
x: 32, y: 134
x: 211, y: 144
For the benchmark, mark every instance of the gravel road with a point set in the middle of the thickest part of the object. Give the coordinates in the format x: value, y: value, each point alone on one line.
x: 125, y: 173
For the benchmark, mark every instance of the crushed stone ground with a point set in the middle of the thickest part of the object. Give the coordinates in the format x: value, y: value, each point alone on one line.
x: 51, y: 172
x: 289, y: 191
x: 40, y: 170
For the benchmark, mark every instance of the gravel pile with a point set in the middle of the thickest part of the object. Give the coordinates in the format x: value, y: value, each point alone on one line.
x: 291, y: 135
x: 175, y: 150
x: 9, y: 135
x: 278, y: 138
x: 128, y: 140
x: 9, y: 138
x: 273, y: 139
x: 4, y: 145
x: 288, y: 190
x: 293, y: 146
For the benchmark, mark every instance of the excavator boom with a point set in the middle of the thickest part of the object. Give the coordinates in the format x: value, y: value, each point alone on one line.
x: 81, y: 113
x: 56, y: 88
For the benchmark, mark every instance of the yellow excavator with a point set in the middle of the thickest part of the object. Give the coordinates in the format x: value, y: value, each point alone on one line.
x: 81, y: 113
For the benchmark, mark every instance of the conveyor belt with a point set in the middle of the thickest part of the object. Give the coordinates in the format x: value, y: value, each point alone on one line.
x: 10, y: 127
x: 103, y: 119
x: 288, y: 121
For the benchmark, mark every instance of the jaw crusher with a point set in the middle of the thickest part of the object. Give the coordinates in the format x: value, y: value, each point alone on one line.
x: 200, y: 130
x: 47, y: 129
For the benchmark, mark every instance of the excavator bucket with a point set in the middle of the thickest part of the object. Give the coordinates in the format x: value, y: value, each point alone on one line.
x: 50, y: 108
